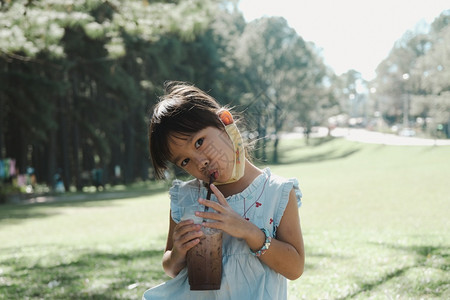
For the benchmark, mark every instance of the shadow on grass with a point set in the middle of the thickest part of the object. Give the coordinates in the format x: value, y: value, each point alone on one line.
x: 325, y: 156
x: 16, y: 213
x: 314, y: 258
x: 423, y: 253
x: 315, y: 142
x: 310, y: 153
x: 91, y: 274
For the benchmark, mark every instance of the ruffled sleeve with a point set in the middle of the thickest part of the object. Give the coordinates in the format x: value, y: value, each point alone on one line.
x: 174, y: 200
x: 182, y: 194
x: 286, y: 188
x: 298, y: 192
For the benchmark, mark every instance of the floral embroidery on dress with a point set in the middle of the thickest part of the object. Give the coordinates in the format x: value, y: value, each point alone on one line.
x: 256, y: 203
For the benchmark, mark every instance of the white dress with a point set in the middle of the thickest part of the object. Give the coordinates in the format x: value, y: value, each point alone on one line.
x: 244, y: 276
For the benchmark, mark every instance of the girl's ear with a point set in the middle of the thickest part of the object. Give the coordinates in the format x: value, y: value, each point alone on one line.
x: 226, y: 117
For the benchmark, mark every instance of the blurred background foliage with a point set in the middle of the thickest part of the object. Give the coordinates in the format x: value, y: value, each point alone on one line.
x: 78, y: 77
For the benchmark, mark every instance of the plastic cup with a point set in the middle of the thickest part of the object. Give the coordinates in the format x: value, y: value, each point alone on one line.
x: 204, y: 260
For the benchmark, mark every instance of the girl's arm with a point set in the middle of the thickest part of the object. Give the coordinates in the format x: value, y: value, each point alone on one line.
x: 286, y: 253
x: 182, y: 237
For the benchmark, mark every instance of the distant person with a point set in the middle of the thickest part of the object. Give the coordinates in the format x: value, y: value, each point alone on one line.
x: 31, y: 177
x: 58, y: 182
x: 256, y: 210
x: 117, y: 174
x: 97, y: 178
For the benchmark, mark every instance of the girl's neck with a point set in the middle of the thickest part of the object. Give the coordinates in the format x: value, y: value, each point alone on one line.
x: 251, y: 172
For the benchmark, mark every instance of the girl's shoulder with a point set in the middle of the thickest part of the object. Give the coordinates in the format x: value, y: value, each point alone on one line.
x: 285, y: 185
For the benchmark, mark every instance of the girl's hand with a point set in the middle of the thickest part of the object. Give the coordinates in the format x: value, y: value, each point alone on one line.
x: 185, y: 236
x: 225, y: 217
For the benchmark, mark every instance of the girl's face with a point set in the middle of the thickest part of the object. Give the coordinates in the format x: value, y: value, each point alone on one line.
x: 208, y: 151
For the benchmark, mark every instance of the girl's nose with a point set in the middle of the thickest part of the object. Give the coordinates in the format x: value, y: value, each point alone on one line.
x: 203, y: 163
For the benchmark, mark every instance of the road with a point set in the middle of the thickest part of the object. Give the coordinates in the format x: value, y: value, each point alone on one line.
x: 372, y: 137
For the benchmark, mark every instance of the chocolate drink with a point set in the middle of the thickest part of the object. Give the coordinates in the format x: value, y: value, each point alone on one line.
x: 204, y: 261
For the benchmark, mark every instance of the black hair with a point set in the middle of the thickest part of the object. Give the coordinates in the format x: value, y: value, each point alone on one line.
x: 183, y: 110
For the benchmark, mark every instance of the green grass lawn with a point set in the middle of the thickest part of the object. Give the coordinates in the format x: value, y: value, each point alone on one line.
x: 375, y: 221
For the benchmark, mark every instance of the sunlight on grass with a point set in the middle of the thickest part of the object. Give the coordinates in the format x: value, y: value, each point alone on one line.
x: 368, y: 219
x: 84, y: 249
x: 374, y: 218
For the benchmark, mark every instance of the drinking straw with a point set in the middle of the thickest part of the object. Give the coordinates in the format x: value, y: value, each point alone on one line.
x: 208, y: 196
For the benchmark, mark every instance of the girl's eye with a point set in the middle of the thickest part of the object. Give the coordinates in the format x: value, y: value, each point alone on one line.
x: 184, y: 162
x: 199, y: 142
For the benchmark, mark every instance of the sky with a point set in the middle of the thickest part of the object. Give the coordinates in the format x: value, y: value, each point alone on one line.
x: 352, y: 34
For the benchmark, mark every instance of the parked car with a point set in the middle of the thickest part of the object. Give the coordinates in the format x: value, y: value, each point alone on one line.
x: 407, y: 132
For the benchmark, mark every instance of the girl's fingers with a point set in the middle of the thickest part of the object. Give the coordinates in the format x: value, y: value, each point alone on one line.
x: 186, y: 235
x: 185, y: 227
x: 187, y: 246
x: 189, y: 237
x: 219, y: 195
x: 220, y: 206
x: 215, y: 225
x: 211, y: 204
x: 185, y: 222
x: 210, y: 215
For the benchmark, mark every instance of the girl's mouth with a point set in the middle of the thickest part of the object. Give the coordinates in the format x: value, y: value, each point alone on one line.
x: 214, y: 175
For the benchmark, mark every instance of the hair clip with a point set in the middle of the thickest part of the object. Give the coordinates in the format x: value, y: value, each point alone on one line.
x: 226, y: 117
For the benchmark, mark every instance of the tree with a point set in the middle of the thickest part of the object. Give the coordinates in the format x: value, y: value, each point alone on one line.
x: 77, y: 78
x: 431, y: 72
x: 412, y: 80
x: 280, y: 71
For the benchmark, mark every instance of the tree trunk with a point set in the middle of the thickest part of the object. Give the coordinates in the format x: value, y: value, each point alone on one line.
x: 64, y: 139
x: 51, y: 158
x: 2, y: 117
x: 277, y: 123
x: 64, y: 159
x: 307, y: 133
x: 76, y: 136
x: 129, y: 151
x: 76, y: 158
x: 275, y: 150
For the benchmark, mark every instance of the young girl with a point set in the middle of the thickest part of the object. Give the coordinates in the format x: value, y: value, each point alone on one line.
x: 256, y: 210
